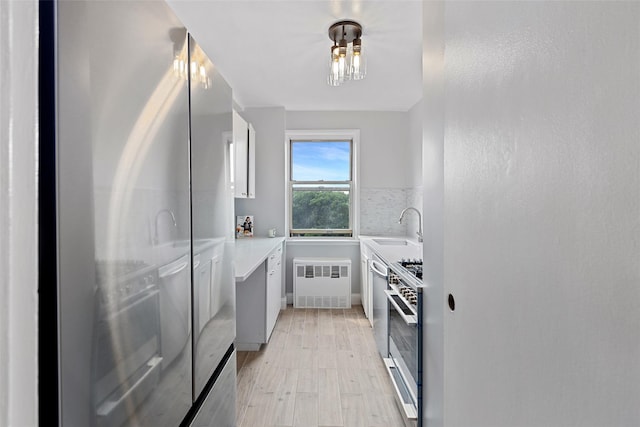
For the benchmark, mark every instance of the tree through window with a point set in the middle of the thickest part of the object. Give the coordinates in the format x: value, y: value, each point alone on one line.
x: 320, y: 188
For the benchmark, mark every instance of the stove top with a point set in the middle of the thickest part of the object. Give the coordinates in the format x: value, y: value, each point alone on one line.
x: 412, y: 266
x: 407, y: 272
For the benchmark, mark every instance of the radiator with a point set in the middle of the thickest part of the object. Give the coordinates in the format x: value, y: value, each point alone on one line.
x: 322, y: 283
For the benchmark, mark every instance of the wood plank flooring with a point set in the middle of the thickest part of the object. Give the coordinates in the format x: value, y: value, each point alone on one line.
x: 320, y: 368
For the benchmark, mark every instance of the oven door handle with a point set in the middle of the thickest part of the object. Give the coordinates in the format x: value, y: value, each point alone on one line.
x: 379, y: 268
x: 409, y: 320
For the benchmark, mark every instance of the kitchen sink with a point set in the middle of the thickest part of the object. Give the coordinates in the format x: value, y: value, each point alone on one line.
x: 391, y: 242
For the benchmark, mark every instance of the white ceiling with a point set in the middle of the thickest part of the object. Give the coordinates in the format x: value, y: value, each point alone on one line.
x: 276, y: 52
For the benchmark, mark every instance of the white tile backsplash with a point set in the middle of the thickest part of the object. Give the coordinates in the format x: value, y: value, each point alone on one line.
x: 380, y: 210
x: 414, y: 198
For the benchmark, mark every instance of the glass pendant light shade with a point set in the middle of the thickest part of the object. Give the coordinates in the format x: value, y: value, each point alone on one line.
x: 333, y: 79
x: 345, y: 72
x: 357, y: 61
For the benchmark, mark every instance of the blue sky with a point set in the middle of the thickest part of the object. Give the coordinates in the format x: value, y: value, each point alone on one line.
x: 323, y: 160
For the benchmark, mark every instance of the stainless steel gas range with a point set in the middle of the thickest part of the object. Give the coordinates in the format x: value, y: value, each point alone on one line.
x: 405, y: 314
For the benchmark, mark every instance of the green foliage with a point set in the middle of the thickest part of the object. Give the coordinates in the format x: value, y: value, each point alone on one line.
x: 320, y: 210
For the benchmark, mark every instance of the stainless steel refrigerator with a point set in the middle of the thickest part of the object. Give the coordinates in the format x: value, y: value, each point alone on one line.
x: 145, y: 310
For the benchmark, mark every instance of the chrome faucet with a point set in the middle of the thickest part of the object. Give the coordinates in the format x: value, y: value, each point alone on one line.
x: 156, y: 238
x: 419, y: 232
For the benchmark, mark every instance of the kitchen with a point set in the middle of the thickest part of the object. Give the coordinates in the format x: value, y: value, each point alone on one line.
x: 149, y: 312
x: 512, y: 212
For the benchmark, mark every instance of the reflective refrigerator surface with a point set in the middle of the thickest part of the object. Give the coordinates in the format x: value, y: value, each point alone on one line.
x: 212, y: 217
x: 125, y: 260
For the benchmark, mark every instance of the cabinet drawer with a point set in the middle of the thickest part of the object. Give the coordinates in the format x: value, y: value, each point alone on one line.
x: 274, y: 259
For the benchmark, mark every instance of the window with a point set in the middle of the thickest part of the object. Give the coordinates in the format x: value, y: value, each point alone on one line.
x: 321, y: 186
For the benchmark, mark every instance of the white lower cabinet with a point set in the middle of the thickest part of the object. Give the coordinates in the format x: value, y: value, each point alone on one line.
x: 274, y: 288
x: 258, y: 300
x: 366, y: 294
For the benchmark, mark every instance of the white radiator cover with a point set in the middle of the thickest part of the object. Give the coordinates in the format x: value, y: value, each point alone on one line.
x: 322, y: 283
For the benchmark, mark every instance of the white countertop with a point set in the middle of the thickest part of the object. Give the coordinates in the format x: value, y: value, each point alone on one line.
x: 251, y: 252
x: 392, y: 253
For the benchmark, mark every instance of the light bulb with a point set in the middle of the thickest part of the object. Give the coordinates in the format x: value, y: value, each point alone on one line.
x: 334, y: 68
x: 342, y: 67
x: 357, y: 62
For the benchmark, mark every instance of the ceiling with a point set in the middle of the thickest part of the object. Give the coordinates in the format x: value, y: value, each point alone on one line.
x: 276, y: 52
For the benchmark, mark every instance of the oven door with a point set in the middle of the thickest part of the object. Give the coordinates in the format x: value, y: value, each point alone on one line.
x: 126, y: 358
x: 402, y: 363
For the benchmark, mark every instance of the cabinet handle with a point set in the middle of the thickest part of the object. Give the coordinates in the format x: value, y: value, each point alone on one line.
x: 173, y: 268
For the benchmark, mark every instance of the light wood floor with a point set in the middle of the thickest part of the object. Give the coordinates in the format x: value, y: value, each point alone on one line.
x: 320, y: 368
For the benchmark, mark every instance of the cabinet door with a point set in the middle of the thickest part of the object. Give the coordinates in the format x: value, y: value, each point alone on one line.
x: 251, y: 163
x: 366, y: 280
x: 274, y: 288
x: 369, y: 274
x: 364, y: 284
x: 241, y: 155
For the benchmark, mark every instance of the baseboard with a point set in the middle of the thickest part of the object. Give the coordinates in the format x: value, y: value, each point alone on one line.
x: 355, y: 299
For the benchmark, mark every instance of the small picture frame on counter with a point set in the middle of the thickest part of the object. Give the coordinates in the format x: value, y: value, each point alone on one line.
x: 244, y: 226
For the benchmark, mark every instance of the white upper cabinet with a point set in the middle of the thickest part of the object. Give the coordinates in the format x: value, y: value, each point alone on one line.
x: 251, y: 172
x: 241, y: 155
x: 244, y: 155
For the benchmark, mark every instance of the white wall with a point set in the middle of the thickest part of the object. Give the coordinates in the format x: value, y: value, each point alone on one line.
x: 385, y: 162
x: 18, y: 240
x: 542, y: 213
x: 415, y: 192
x: 384, y: 155
x: 414, y: 145
x: 387, y: 159
x: 433, y: 208
x: 268, y: 205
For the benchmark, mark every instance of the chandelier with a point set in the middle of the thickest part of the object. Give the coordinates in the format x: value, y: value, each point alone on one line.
x: 347, y: 61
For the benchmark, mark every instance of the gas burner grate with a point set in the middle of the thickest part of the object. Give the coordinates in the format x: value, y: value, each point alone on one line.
x: 413, y: 267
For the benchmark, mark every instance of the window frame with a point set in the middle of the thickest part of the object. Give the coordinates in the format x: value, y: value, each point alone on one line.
x: 352, y: 135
